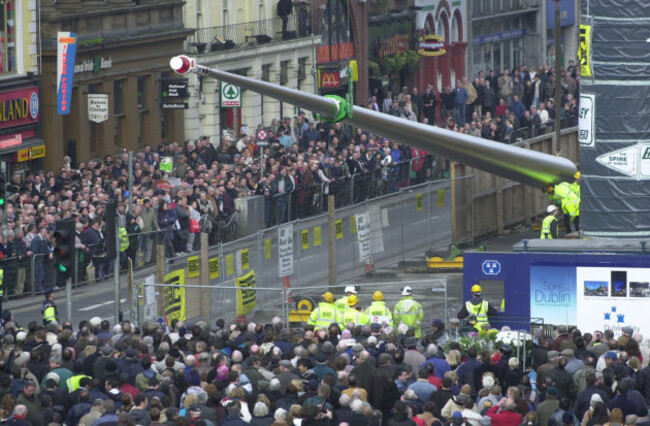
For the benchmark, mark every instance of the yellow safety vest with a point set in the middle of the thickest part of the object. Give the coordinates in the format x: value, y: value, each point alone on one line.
x: 480, y: 311
x: 73, y: 382
x: 2, y: 287
x: 575, y: 188
x: 379, y: 313
x: 357, y: 317
x: 546, y: 227
x: 342, y: 304
x: 411, y: 315
x: 571, y: 205
x: 124, y: 239
x: 49, y: 314
x: 324, y: 315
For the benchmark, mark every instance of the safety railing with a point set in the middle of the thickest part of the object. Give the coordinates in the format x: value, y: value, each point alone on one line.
x: 245, y: 34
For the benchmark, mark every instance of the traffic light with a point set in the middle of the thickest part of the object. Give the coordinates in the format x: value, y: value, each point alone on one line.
x: 64, y: 239
x: 110, y: 216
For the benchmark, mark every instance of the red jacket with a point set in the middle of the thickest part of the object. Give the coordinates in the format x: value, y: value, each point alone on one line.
x: 504, y: 418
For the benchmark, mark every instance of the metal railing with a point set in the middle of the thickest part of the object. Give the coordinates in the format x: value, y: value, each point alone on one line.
x: 227, y: 37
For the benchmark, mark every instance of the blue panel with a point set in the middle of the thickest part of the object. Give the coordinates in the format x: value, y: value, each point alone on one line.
x: 567, y: 13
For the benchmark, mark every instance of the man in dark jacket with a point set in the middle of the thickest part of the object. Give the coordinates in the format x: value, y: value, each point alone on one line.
x: 584, y: 398
x: 284, y: 9
x: 383, y: 391
x: 79, y: 409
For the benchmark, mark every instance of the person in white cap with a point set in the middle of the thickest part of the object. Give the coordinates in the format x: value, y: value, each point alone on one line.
x: 342, y: 303
x: 408, y: 312
x: 549, y: 225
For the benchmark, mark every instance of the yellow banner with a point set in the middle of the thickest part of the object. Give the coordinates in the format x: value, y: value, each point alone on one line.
x: 441, y: 198
x: 317, y: 236
x: 339, y: 229
x: 245, y: 260
x: 230, y: 264
x: 304, y: 234
x: 353, y: 224
x: 175, y: 296
x: 267, y: 248
x: 246, y: 294
x: 584, y: 58
x: 193, y: 267
x: 214, y: 268
x: 419, y: 202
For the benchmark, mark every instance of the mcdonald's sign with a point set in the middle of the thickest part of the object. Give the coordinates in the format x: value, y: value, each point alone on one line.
x: 329, y: 80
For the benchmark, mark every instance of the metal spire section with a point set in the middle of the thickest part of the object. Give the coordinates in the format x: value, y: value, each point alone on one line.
x: 522, y: 165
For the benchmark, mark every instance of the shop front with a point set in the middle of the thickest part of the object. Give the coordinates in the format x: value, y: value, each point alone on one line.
x: 20, y: 144
x: 115, y: 104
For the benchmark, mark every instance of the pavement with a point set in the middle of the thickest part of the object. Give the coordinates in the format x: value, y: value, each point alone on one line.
x: 98, y: 299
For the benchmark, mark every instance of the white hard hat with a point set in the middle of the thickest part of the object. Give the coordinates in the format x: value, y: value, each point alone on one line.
x: 551, y: 208
x: 407, y: 291
x: 350, y: 289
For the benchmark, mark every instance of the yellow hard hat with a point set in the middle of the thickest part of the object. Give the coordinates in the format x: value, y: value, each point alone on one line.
x: 577, y: 175
x: 476, y: 288
x: 328, y: 297
x: 378, y: 295
x: 352, y: 300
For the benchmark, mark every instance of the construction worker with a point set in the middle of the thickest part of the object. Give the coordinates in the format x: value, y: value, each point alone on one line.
x: 575, y: 186
x: 409, y: 312
x: 342, y: 303
x: 353, y: 314
x: 325, y: 314
x: 477, y: 307
x: 378, y: 312
x: 48, y: 309
x: 562, y: 195
x: 549, y: 225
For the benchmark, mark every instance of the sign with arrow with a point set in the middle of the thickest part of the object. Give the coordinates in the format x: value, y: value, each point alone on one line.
x: 230, y: 95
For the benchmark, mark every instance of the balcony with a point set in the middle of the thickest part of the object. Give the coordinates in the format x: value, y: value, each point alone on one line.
x: 246, y: 34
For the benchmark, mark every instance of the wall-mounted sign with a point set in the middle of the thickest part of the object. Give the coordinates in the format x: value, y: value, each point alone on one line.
x: 506, y: 35
x: 329, y: 80
x: 95, y: 65
x: 30, y: 153
x: 11, y: 141
x: 19, y: 107
x: 97, y: 107
x: 230, y: 95
x: 431, y: 45
x: 399, y: 43
x: 66, y: 53
x: 173, y: 89
x: 174, y: 105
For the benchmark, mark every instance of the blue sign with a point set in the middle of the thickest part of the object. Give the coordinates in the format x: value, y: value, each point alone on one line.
x: 506, y: 35
x: 567, y: 13
x: 491, y: 267
x: 553, y: 293
x: 66, y: 54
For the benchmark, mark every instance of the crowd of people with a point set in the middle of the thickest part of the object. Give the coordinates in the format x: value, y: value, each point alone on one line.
x: 516, y: 104
x: 399, y: 372
x: 304, y: 162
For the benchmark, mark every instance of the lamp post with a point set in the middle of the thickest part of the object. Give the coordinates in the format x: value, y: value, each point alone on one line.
x: 558, y: 81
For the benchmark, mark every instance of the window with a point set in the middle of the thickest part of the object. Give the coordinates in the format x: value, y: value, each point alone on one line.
x: 142, y: 92
x: 266, y: 72
x: 284, y: 72
x: 119, y: 120
x: 95, y: 128
x: 118, y: 97
x: 493, y: 291
x: 302, y: 68
x: 8, y: 36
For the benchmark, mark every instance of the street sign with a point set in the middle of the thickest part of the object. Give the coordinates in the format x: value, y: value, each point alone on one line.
x: 174, y: 105
x: 262, y: 135
x: 173, y: 88
x: 285, y: 251
x: 491, y: 267
x: 230, y: 95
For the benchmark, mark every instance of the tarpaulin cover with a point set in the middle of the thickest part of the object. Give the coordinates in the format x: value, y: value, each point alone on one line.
x: 615, y: 170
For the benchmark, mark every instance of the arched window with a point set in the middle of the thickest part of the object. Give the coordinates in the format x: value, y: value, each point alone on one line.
x: 442, y: 28
x: 429, y: 25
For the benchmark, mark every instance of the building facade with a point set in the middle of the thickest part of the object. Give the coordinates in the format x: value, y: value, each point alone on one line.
x: 248, y: 37
x: 123, y: 51
x: 21, y: 144
x: 509, y: 33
